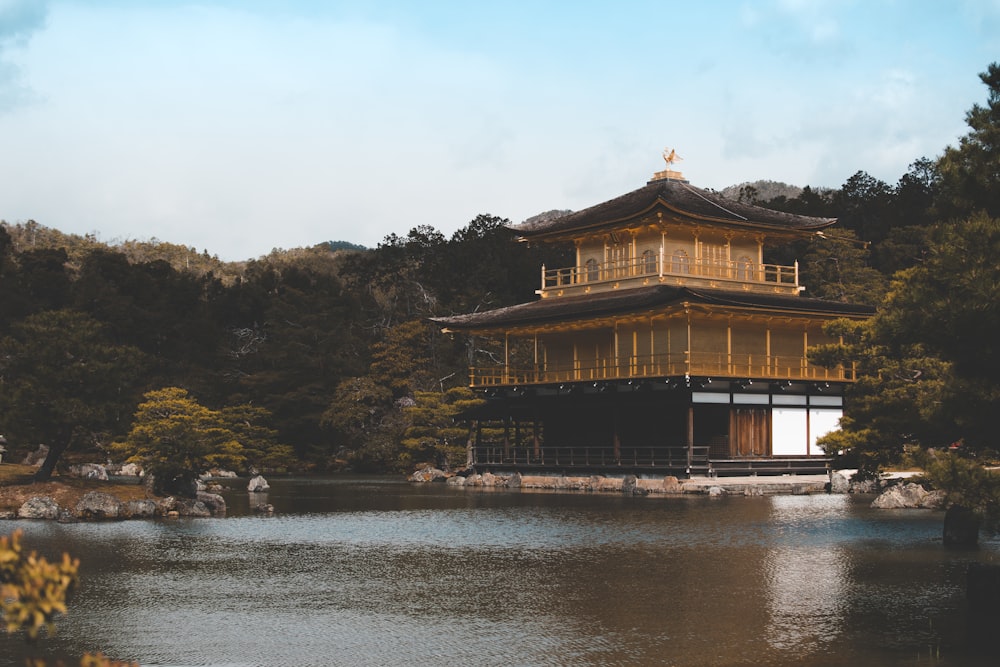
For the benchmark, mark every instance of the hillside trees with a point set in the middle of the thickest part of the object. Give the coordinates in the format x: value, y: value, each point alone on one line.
x: 890, y: 223
x: 64, y: 383
x: 153, y: 307
x: 836, y: 266
x: 291, y: 335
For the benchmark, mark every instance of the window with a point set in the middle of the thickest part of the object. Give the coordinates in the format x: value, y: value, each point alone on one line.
x: 715, y: 260
x: 592, y: 272
x: 649, y: 262
x: 619, y: 256
x: 680, y: 262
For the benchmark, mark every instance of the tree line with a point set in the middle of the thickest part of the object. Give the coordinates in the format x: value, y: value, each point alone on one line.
x: 322, y: 358
x: 323, y: 348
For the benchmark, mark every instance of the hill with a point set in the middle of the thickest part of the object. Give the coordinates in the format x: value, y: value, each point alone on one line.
x: 764, y: 190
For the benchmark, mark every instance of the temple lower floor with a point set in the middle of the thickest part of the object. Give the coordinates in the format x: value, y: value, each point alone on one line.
x: 686, y: 425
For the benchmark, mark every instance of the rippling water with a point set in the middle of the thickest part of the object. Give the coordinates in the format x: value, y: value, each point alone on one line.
x: 376, y: 572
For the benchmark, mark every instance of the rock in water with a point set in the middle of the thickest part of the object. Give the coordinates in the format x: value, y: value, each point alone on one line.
x: 215, y: 503
x: 839, y: 483
x: 961, y: 527
x: 428, y: 474
x: 258, y: 484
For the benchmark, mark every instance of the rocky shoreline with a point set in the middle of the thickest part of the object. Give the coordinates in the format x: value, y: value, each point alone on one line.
x: 102, y: 506
x: 891, y: 492
x: 116, y: 492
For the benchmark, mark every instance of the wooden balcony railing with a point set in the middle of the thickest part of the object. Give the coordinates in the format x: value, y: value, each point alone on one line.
x: 678, y: 458
x: 736, y: 271
x: 702, y: 364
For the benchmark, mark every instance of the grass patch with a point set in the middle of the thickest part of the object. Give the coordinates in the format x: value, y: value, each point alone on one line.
x: 12, y: 473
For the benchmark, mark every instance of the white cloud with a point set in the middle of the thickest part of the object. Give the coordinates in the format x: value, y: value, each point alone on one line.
x: 19, y: 20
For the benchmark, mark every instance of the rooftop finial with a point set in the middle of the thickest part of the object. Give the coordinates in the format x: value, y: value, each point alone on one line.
x: 670, y: 156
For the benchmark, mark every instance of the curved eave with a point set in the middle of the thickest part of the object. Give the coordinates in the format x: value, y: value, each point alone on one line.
x: 646, y: 301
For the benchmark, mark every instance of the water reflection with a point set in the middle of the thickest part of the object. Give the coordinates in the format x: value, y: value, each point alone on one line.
x: 807, y: 577
x: 361, y: 572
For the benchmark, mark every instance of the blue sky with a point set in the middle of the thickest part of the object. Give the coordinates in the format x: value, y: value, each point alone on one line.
x: 241, y: 126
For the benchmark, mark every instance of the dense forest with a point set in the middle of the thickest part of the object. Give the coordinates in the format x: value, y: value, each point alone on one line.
x: 322, y: 358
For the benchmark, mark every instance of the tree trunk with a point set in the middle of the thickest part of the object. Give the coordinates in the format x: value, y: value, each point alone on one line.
x: 48, y: 466
x: 961, y: 527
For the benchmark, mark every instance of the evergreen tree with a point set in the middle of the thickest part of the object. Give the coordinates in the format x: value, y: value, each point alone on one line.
x: 434, y: 436
x: 64, y: 384
x: 175, y: 438
x: 970, y: 172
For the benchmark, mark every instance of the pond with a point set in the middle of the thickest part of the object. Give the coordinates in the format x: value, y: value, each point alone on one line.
x: 374, y: 571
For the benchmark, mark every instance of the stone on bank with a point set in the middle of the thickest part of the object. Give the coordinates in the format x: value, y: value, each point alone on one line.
x: 38, y: 507
x: 909, y: 496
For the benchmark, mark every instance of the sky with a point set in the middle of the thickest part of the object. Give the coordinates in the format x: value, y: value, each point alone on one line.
x: 241, y: 126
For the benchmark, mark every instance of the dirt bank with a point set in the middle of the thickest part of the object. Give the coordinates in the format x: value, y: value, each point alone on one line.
x: 16, y: 486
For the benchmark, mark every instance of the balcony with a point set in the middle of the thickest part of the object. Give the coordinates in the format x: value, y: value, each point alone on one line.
x: 652, y: 269
x: 704, y: 364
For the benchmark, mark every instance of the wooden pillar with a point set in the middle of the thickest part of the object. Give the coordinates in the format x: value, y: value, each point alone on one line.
x: 634, y: 362
x: 767, y: 350
x: 805, y: 351
x: 809, y: 451
x: 663, y: 252
x: 690, y: 352
x: 690, y: 437
x: 506, y: 438
x: 506, y: 357
x: 729, y: 257
x: 536, y: 442
x: 616, y: 443
x: 615, y: 351
x: 654, y: 366
x: 729, y: 346
x: 537, y: 377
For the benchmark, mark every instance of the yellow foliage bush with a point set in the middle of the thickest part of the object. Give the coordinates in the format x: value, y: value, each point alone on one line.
x: 32, y: 590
